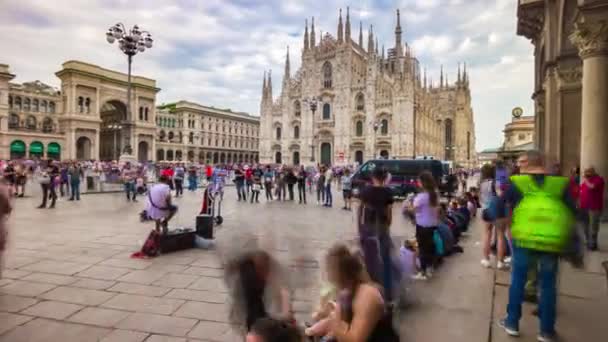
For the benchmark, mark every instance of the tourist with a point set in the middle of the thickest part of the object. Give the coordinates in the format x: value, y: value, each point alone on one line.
x: 129, y: 176
x: 320, y: 185
x: 542, y: 227
x: 426, y: 212
x: 273, y: 330
x: 10, y: 177
x: 20, y: 179
x: 493, y: 211
x: 254, y: 278
x: 347, y: 188
x: 256, y: 186
x: 248, y: 178
x: 361, y: 313
x: 178, y: 179
x: 74, y: 173
x: 268, y: 178
x: 192, y: 178
x: 159, y: 206
x: 374, y: 218
x: 239, y: 181
x: 5, y: 210
x: 302, y: 176
x: 280, y: 184
x: 328, y: 179
x: 592, y: 204
x: 290, y: 179
x: 64, y: 185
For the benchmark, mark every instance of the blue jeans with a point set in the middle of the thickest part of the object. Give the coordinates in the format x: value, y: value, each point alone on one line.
x: 192, y: 185
x: 75, y: 189
x: 523, y: 259
x: 130, y: 189
x: 328, y: 198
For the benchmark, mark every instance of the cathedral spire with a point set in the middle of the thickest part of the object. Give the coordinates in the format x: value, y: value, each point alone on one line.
x: 361, y: 34
x: 313, y: 41
x: 370, y: 40
x: 441, y: 77
x: 306, y: 35
x: 382, y: 51
x: 398, y: 46
x: 269, y: 92
x: 465, y: 77
x: 287, y: 71
x: 458, y: 81
x: 347, y: 37
x: 264, y: 89
x: 424, y: 77
x: 340, y: 28
x: 377, y: 51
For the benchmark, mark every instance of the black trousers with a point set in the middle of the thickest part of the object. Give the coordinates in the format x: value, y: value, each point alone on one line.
x: 48, y: 190
x: 302, y: 192
x: 255, y: 194
x: 290, y: 190
x: 268, y: 188
x: 179, y: 187
x: 426, y: 246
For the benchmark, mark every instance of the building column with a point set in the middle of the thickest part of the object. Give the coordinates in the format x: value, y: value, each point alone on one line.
x: 591, y: 38
x: 96, y: 147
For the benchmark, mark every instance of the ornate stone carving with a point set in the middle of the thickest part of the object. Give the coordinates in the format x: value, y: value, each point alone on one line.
x: 591, y: 38
x: 571, y: 75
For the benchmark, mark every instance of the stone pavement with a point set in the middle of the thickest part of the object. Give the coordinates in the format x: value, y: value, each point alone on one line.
x: 68, y: 276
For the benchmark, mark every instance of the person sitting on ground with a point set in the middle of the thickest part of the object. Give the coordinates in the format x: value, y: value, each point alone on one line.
x: 361, y: 314
x: 273, y: 330
x: 159, y: 206
x: 321, y: 316
x: 471, y: 204
x: 464, y: 211
x: 408, y: 256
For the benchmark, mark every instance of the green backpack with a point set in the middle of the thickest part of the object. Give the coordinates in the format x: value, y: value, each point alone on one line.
x: 542, y: 221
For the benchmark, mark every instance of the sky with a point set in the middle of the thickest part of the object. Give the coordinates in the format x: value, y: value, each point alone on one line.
x: 214, y: 52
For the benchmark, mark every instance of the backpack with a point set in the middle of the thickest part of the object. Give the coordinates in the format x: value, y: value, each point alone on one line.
x: 151, y: 247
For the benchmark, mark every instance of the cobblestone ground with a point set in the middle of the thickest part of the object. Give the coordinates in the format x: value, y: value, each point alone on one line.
x: 68, y: 275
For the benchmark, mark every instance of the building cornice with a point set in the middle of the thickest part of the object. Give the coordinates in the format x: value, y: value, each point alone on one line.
x: 530, y: 18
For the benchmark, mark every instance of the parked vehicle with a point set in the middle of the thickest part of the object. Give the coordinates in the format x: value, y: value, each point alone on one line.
x: 403, y: 174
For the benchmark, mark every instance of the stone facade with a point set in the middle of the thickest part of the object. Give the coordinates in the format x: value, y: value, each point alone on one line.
x: 570, y: 39
x: 369, y: 104
x: 518, y: 132
x: 87, y: 118
x: 189, y: 131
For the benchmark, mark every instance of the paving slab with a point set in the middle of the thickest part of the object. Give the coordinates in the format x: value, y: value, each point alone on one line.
x: 199, y: 296
x: 57, y: 267
x: 125, y: 336
x: 158, y: 324
x: 99, y: 316
x: 204, y: 311
x: 44, y: 330
x: 50, y: 278
x: 164, y: 338
x: 93, y: 284
x: 26, y: 288
x: 144, y: 277
x: 52, y: 310
x: 10, y: 303
x: 128, y: 302
x: 78, y: 295
x: 138, y: 289
x: 103, y: 272
x: 176, y: 280
x: 9, y: 321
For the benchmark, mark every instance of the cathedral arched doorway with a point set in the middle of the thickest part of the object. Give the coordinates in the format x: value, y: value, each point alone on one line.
x: 359, y: 157
x: 278, y: 158
x: 296, y: 158
x: 326, y: 154
x: 112, y: 114
x: 142, y: 151
x: 83, y: 148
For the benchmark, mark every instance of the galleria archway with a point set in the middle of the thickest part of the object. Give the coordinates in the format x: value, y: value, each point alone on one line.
x: 112, y: 114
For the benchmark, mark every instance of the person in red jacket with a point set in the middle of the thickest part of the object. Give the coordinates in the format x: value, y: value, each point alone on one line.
x: 592, y: 204
x: 248, y: 178
x: 209, y: 172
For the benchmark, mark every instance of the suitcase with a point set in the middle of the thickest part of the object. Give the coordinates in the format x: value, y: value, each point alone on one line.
x: 204, y: 226
x: 177, y: 240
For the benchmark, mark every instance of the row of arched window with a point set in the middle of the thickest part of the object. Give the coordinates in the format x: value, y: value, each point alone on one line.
x: 143, y: 113
x: 31, y: 123
x: 84, y: 104
x: 383, y: 127
x: 165, y: 122
x: 223, y: 142
x: 30, y: 105
x: 359, y: 106
x: 296, y: 132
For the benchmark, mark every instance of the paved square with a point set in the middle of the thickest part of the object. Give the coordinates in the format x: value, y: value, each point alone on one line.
x: 68, y: 274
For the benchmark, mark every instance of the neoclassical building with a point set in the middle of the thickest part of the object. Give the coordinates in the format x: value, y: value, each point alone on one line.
x: 570, y: 39
x: 87, y: 119
x: 190, y: 131
x: 369, y: 103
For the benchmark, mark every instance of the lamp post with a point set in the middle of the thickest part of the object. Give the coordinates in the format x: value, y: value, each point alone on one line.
x: 130, y: 43
x: 313, y: 104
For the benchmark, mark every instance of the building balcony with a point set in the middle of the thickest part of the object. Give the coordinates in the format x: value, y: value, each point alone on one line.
x: 325, y: 124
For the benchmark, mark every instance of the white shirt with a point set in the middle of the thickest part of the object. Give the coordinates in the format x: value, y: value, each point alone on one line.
x: 158, y: 194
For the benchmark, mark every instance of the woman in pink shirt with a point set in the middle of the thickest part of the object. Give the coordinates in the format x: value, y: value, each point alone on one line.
x: 592, y: 204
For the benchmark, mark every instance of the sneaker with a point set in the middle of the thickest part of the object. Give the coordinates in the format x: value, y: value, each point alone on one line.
x: 429, y: 272
x: 419, y: 276
x: 542, y: 337
x: 486, y: 263
x: 510, y: 331
x: 502, y: 266
x: 507, y: 260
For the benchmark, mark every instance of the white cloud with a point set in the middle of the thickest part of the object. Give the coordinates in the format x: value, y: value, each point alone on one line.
x: 432, y: 44
x: 493, y: 38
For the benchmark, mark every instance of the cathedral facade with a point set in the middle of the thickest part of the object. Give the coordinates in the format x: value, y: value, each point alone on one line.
x: 349, y: 103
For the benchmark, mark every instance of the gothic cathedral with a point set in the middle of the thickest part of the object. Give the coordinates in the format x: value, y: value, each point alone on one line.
x: 347, y: 104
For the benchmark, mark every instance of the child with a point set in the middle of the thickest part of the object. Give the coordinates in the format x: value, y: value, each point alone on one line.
x: 346, y: 189
x: 321, y: 315
x: 408, y: 256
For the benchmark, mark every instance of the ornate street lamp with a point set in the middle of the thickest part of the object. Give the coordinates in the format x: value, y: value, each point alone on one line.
x: 313, y: 104
x: 130, y: 43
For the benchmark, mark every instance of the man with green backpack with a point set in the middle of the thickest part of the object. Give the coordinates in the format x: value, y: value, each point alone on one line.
x: 542, y: 229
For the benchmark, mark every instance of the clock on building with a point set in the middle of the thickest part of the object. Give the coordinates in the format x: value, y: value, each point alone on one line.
x: 517, y: 112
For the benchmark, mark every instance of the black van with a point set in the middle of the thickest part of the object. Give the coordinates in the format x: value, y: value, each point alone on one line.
x: 403, y: 173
